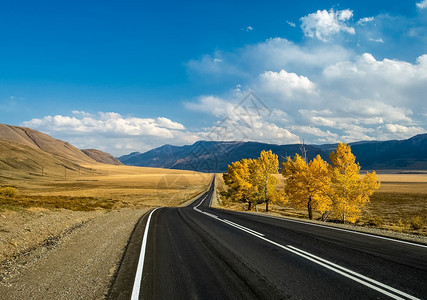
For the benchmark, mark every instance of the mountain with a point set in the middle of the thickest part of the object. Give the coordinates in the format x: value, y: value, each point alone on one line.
x: 38, y: 140
x: 27, y: 151
x: 20, y: 158
x: 210, y: 156
x: 102, y: 157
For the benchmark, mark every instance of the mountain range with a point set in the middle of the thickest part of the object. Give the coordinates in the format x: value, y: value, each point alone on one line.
x: 29, y: 150
x: 211, y: 156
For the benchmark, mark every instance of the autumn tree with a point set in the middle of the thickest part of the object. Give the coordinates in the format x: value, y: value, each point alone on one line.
x: 252, y: 181
x: 350, y: 192
x: 262, y: 174
x: 237, y: 179
x: 308, y: 185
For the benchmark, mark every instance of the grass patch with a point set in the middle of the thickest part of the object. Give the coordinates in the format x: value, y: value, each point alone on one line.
x: 57, y: 202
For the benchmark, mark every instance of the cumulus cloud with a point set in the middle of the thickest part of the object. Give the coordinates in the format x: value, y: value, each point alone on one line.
x: 400, y: 83
x: 398, y: 131
x: 422, y: 4
x: 349, y: 100
x: 288, y: 85
x: 325, y: 92
x: 365, y: 20
x: 323, y: 24
x: 110, y: 128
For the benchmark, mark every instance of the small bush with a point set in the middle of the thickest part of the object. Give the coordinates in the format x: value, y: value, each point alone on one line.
x: 417, y: 222
x: 8, y: 192
x: 375, y: 221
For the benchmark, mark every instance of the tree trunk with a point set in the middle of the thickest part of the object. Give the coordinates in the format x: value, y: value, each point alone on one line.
x: 325, y: 216
x: 266, y: 194
x: 249, y: 205
x: 310, y: 210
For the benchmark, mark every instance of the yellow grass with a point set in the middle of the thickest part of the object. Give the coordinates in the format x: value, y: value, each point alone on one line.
x: 107, y: 186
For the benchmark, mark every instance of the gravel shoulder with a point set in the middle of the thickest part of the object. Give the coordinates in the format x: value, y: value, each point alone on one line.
x: 77, y: 260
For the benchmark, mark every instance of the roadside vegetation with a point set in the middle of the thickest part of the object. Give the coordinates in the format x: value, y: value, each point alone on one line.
x: 335, y: 192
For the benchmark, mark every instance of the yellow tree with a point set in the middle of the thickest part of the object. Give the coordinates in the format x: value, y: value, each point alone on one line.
x: 262, y: 172
x: 350, y: 193
x: 308, y: 185
x: 238, y: 181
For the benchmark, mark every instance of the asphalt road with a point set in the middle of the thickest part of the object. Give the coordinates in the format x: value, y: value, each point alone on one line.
x: 198, y: 252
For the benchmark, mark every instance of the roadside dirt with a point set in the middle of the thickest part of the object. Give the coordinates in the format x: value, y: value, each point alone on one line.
x: 62, y: 254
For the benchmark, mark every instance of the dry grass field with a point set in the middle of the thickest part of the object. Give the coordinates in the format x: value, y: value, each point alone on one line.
x: 102, y: 186
x: 399, y: 205
x: 45, y: 208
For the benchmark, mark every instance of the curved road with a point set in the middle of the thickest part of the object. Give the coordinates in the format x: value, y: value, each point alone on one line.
x: 198, y: 252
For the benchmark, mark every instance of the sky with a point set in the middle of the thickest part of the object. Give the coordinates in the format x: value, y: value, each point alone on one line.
x: 125, y: 76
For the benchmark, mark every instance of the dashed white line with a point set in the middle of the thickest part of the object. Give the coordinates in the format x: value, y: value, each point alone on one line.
x: 140, y: 268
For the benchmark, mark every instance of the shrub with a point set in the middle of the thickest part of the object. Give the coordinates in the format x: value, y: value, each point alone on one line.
x: 375, y: 221
x: 417, y: 222
x: 8, y: 192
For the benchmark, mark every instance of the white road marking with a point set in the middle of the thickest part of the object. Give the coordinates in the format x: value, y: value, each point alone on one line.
x: 354, y: 273
x: 341, y: 229
x: 140, y: 268
x: 366, y: 281
x: 242, y: 227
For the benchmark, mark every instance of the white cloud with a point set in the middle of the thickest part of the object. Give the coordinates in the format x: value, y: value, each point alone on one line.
x: 422, y: 4
x: 274, y: 54
x: 111, y: 131
x: 365, y: 20
x: 288, y: 85
x: 292, y: 24
x: 317, y: 132
x: 346, y: 100
x: 398, y: 131
x: 249, y: 28
x: 323, y: 24
x: 377, y: 40
x: 400, y: 83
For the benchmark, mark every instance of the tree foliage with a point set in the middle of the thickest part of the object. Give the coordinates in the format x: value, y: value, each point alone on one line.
x: 308, y: 185
x: 350, y: 192
x: 237, y: 178
x: 336, y: 189
x: 252, y: 181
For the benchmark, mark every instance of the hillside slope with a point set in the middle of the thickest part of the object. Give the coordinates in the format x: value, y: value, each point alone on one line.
x: 21, y: 158
x: 102, y: 157
x: 208, y: 156
x: 38, y: 140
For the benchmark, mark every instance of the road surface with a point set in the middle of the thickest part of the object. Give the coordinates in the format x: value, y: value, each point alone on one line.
x: 198, y: 252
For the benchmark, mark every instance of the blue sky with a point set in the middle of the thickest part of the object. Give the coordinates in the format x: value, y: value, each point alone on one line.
x: 126, y: 76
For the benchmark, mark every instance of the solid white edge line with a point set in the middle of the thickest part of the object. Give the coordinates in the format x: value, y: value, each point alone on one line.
x: 339, y: 229
x: 329, y: 265
x: 138, y: 276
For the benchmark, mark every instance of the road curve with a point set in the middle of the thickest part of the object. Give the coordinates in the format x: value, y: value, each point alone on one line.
x: 198, y: 252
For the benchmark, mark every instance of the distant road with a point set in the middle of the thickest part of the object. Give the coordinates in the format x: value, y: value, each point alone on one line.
x: 198, y: 252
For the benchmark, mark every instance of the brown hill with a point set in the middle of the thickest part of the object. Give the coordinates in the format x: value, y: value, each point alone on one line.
x: 38, y: 140
x: 102, y: 157
x: 17, y: 158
